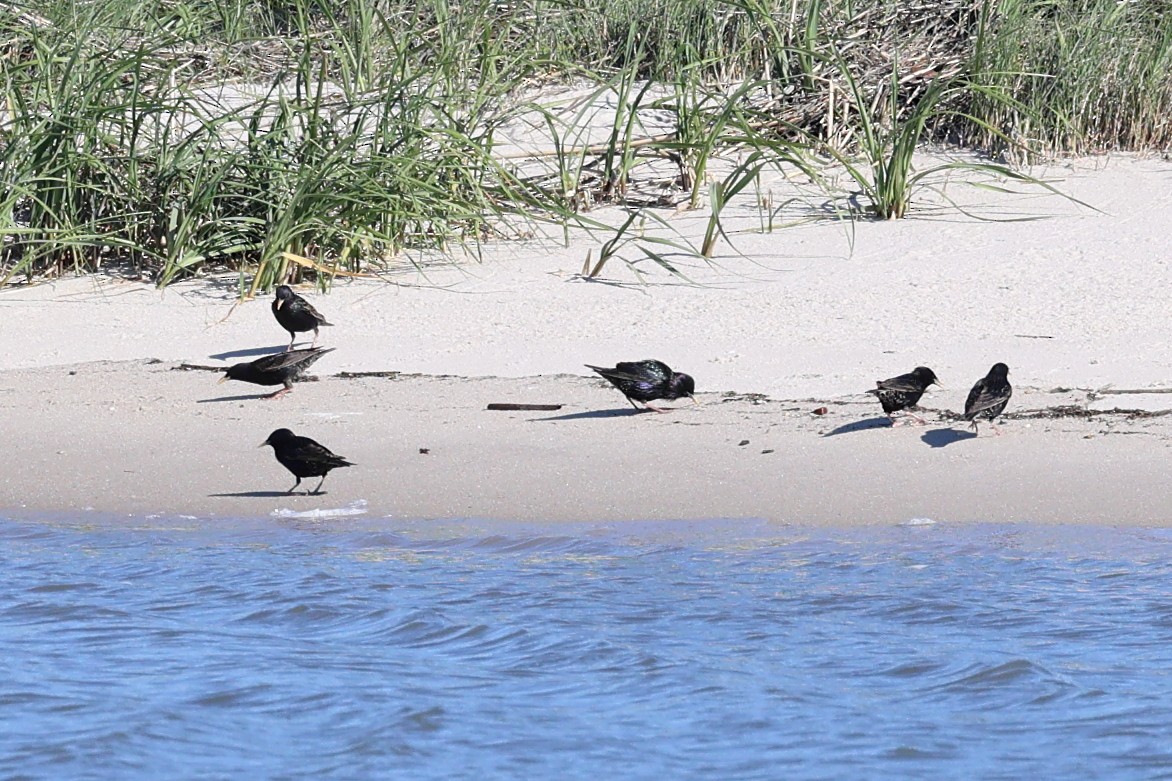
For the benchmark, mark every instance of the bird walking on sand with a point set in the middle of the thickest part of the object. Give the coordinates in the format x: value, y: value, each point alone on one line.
x: 295, y: 314
x: 904, y: 392
x: 646, y: 381
x: 989, y: 396
x: 303, y: 457
x: 280, y: 369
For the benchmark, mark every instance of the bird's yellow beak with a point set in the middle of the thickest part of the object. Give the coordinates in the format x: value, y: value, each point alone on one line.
x: 937, y: 383
x: 223, y: 379
x: 280, y: 303
x: 262, y: 444
x: 695, y: 400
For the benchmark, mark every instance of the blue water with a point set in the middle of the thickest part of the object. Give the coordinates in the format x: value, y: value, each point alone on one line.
x: 341, y: 649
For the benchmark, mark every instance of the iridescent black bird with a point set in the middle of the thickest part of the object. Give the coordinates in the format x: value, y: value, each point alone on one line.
x: 989, y: 396
x: 303, y: 457
x: 295, y: 314
x: 646, y: 381
x: 280, y: 369
x: 904, y: 391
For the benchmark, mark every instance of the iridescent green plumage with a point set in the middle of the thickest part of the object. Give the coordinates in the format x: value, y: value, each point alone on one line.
x: 646, y: 381
x: 280, y: 369
x: 904, y: 391
x: 295, y: 314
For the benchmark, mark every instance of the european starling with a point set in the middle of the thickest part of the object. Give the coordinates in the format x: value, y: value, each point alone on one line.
x: 989, y: 396
x: 904, y: 391
x: 648, y: 380
x: 295, y: 314
x: 279, y: 369
x: 303, y: 457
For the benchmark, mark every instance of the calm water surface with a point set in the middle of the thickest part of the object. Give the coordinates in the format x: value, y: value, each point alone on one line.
x: 290, y: 648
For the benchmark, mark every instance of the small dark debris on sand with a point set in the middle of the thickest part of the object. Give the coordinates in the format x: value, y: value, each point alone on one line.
x: 1061, y: 411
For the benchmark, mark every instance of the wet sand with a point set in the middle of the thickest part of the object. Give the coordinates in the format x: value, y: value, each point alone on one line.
x: 140, y: 438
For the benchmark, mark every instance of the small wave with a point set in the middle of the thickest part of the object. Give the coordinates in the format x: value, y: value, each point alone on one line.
x: 988, y: 677
x: 354, y: 508
x: 918, y: 522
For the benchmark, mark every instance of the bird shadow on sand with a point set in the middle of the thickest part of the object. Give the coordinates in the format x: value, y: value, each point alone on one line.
x: 860, y: 425
x: 939, y: 437
x: 618, y: 412
x: 250, y: 352
x: 257, y: 495
x: 233, y: 398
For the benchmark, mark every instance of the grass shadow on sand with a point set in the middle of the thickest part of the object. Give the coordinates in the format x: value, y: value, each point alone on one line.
x: 860, y: 425
x: 940, y: 437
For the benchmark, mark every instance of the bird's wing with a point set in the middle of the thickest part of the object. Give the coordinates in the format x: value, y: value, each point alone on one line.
x: 309, y: 450
x: 280, y: 361
x: 616, y: 374
x: 308, y: 307
x: 904, y: 382
x: 646, y: 371
x: 982, y: 397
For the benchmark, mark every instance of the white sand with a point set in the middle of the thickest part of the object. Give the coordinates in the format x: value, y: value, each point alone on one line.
x: 1074, y: 300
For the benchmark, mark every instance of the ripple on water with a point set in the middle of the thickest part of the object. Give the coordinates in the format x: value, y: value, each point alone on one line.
x: 638, y: 652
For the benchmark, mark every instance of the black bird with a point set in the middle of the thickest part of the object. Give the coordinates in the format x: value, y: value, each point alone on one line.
x: 989, y: 396
x: 904, y: 391
x: 279, y: 369
x: 303, y: 457
x: 295, y: 314
x: 646, y: 381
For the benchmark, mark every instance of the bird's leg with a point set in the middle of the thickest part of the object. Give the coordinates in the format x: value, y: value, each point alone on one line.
x: 317, y: 490
x: 274, y: 396
x: 633, y: 404
x: 895, y: 422
x: 654, y: 409
x: 973, y: 426
x: 917, y: 419
x: 314, y: 343
x: 294, y: 488
x: 292, y: 339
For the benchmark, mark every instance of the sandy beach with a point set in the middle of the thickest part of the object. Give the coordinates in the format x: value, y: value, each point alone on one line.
x: 98, y: 416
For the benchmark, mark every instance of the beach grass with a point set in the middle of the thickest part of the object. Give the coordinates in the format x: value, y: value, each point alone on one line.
x: 184, y: 137
x: 1090, y: 76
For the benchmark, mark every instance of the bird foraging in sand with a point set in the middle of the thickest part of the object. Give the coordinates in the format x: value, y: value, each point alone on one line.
x: 904, y: 392
x: 303, y: 457
x: 280, y: 369
x: 295, y: 314
x: 989, y: 396
x: 646, y: 381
